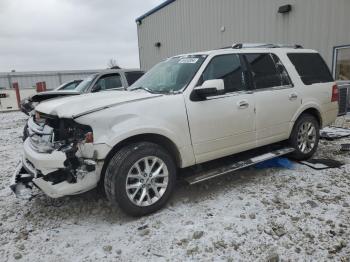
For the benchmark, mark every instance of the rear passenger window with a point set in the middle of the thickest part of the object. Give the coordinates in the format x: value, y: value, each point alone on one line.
x: 264, y: 70
x: 285, y: 79
x: 311, y: 68
x: 228, y: 68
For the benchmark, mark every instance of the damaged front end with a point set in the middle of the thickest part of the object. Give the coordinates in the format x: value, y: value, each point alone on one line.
x: 58, y: 158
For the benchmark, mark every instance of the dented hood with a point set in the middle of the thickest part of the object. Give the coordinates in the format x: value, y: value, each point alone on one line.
x: 52, y: 94
x: 76, y: 106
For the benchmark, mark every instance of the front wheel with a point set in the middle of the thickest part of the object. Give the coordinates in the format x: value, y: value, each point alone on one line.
x: 305, y: 137
x: 140, y: 178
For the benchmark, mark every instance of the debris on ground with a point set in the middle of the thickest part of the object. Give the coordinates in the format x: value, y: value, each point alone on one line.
x: 331, y: 133
x: 321, y: 164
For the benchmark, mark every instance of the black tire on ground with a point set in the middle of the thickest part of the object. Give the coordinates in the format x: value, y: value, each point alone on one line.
x: 298, y: 154
x: 117, y: 173
x: 25, y: 132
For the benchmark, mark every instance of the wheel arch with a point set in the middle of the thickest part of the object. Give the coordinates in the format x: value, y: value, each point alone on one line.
x: 314, y: 112
x: 161, y: 140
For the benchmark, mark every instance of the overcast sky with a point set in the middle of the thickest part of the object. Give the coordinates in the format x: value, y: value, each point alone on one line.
x: 69, y: 34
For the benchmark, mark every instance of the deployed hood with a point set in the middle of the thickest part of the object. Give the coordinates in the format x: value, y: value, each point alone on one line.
x: 52, y: 94
x: 75, y: 106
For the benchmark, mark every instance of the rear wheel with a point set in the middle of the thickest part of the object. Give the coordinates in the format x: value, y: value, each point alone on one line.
x: 305, y: 137
x: 140, y: 178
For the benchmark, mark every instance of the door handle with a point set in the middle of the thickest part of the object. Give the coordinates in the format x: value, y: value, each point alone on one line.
x: 293, y: 96
x: 243, y: 104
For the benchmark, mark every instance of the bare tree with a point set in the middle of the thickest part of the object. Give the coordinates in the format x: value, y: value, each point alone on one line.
x: 112, y: 63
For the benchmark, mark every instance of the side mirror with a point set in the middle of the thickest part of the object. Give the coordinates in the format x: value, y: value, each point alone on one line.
x: 209, y: 88
x: 96, y: 88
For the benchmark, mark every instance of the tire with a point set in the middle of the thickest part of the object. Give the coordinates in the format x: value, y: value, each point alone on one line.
x: 305, y: 144
x: 25, y: 132
x: 128, y: 168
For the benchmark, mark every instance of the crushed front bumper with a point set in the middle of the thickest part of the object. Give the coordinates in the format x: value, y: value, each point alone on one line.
x: 48, y: 172
x: 21, y: 183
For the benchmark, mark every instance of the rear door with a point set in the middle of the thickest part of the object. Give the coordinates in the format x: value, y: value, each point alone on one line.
x: 223, y: 124
x: 276, y: 100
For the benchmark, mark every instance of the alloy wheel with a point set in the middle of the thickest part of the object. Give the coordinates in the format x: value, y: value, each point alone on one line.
x: 147, y: 181
x: 306, y: 137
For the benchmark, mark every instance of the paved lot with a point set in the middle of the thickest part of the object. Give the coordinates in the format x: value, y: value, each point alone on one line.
x: 253, y: 215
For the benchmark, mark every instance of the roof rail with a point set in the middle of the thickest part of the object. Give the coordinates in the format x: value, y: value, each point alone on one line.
x: 264, y: 45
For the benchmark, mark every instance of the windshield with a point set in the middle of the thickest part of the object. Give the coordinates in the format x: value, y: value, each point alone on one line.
x: 60, y: 86
x: 170, y: 75
x: 83, y: 86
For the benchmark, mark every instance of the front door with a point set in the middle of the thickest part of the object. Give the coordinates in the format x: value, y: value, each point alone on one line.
x: 223, y: 124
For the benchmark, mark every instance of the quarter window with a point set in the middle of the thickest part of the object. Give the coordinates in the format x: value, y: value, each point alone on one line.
x: 265, y: 72
x: 311, y: 68
x: 227, y: 68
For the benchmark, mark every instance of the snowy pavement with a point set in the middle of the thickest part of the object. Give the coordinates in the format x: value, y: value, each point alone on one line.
x: 252, y: 215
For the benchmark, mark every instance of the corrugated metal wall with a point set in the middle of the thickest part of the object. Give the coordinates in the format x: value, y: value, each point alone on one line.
x: 52, y: 79
x: 194, y: 25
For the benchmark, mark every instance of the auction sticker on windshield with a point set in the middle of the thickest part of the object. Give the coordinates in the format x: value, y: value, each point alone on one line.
x: 188, y: 61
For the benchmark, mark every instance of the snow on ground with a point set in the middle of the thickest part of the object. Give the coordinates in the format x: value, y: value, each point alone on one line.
x: 252, y: 215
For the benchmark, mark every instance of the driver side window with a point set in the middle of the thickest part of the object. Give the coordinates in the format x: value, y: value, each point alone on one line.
x: 109, y: 82
x: 227, y: 68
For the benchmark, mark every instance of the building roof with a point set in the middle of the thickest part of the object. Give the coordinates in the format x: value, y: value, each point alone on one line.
x: 152, y: 11
x: 21, y: 73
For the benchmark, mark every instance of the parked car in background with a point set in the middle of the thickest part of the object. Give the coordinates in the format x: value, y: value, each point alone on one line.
x: 110, y: 79
x: 71, y: 85
x: 186, y: 111
x: 107, y: 80
x: 27, y: 104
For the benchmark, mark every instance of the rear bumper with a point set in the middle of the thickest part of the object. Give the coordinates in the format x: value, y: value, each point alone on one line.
x: 48, y: 172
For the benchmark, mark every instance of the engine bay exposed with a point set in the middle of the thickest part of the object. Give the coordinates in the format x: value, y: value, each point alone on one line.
x: 51, y: 135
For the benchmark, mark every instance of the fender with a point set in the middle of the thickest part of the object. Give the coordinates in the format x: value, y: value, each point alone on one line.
x: 302, y: 109
x: 184, y: 148
x: 127, y: 126
x: 306, y: 106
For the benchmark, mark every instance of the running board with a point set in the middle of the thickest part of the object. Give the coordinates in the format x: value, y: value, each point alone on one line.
x: 209, y: 174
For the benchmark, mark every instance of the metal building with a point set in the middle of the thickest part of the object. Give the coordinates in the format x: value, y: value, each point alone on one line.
x: 52, y: 78
x: 180, y: 26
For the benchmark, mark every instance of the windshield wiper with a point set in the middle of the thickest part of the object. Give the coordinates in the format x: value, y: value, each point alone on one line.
x: 143, y: 88
x: 155, y: 92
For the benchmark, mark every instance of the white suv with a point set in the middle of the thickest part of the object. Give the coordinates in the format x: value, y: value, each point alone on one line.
x: 187, y: 110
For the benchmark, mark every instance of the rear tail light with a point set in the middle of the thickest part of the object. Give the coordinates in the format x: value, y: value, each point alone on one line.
x: 335, y: 94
